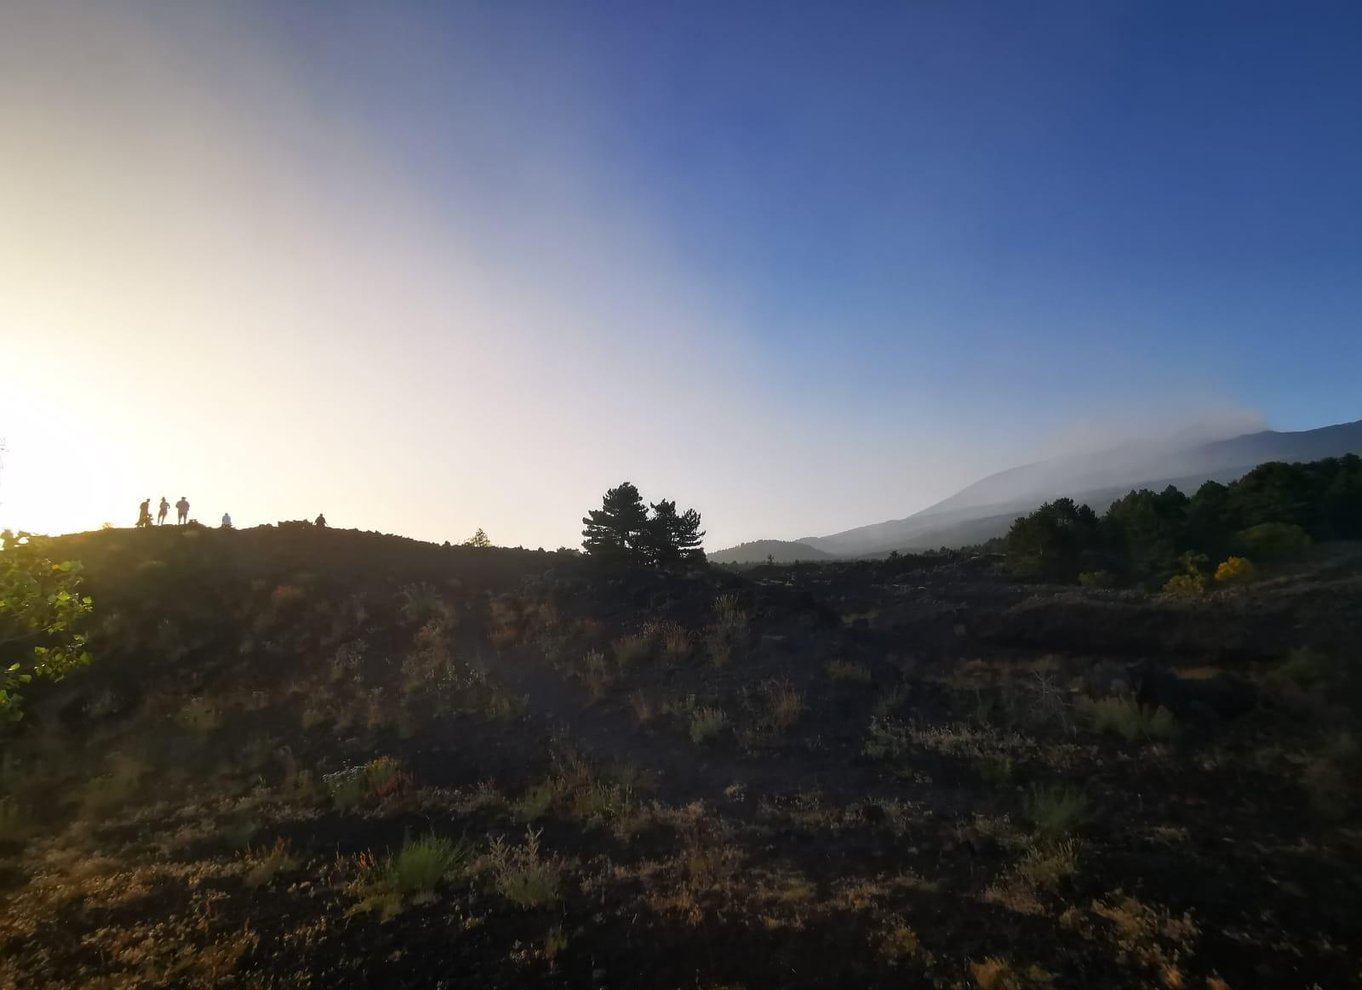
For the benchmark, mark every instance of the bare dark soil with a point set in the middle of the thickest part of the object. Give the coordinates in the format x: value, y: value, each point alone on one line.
x: 884, y: 774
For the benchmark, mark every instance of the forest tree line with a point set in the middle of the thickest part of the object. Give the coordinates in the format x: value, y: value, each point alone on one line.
x: 1146, y: 538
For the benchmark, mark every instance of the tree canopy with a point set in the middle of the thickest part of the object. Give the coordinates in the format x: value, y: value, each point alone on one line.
x: 622, y: 530
x: 1273, y: 512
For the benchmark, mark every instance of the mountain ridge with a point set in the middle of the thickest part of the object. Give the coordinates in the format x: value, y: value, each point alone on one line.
x: 986, y: 508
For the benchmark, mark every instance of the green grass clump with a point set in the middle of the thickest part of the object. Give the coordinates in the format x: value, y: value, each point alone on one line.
x: 419, y: 603
x: 706, y: 724
x: 422, y: 863
x: 409, y: 876
x: 238, y: 831
x: 597, y: 801
x: 1056, y: 809
x: 1306, y: 668
x: 1329, y: 776
x: 995, y: 769
x: 1046, y: 866
x: 354, y: 786
x: 269, y: 863
x: 783, y: 705
x: 200, y: 716
x: 14, y: 821
x: 537, y: 801
x: 670, y: 638
x: 887, y: 740
x: 597, y: 674
x: 1127, y: 718
x: 728, y: 631
x: 632, y: 649
x: 729, y: 613
x: 115, y: 788
x: 506, y: 708
x: 847, y: 670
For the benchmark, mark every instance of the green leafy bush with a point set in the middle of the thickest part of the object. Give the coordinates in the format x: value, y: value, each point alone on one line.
x: 1272, y: 541
x: 43, y: 617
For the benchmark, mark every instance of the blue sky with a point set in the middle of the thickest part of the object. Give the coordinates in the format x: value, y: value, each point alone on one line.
x: 1120, y: 196
x: 839, y: 259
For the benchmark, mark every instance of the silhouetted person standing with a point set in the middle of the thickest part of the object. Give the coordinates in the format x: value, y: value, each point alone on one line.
x: 161, y: 515
x: 182, y: 507
x: 226, y: 521
x: 144, y: 514
x: 321, y: 521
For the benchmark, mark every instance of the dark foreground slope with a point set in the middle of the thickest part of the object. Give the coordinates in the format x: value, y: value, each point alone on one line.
x: 876, y: 775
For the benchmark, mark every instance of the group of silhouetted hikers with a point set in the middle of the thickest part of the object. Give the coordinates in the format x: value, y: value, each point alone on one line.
x: 181, y: 509
x: 182, y: 514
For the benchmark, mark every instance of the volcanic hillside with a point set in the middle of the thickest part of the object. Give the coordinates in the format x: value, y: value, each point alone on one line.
x: 318, y: 758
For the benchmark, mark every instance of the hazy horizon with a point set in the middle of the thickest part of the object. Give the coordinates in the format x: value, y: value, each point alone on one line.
x: 429, y: 270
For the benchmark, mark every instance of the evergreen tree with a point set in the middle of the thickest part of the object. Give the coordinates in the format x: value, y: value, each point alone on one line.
x: 1148, y: 530
x: 618, y: 529
x: 1052, y: 541
x: 622, y: 530
x: 673, y: 537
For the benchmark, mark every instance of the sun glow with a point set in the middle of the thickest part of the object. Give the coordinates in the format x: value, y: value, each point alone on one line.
x: 64, y: 466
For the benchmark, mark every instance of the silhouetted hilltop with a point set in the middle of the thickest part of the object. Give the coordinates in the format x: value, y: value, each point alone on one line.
x: 763, y: 551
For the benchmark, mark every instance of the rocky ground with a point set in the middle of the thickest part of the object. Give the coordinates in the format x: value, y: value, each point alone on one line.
x: 312, y: 758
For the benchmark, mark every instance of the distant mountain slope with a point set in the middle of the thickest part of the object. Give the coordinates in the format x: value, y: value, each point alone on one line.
x: 757, y: 552
x: 987, y: 507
